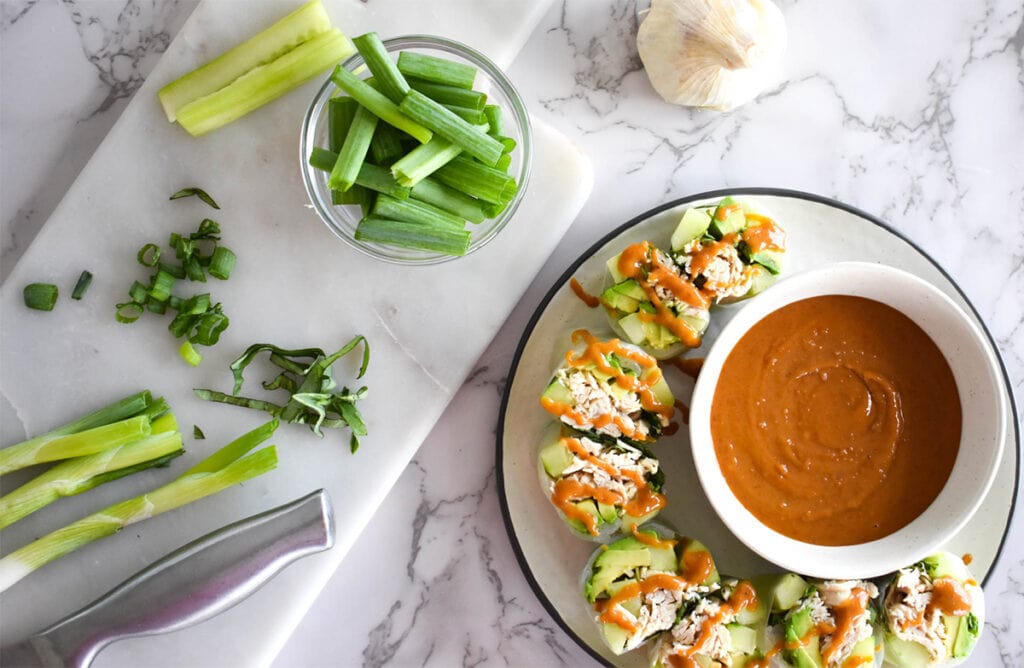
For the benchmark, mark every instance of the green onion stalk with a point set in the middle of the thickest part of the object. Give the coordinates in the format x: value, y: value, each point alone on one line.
x: 225, y: 468
x: 74, y: 476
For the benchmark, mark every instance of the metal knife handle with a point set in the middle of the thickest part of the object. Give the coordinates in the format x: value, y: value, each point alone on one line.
x: 194, y: 582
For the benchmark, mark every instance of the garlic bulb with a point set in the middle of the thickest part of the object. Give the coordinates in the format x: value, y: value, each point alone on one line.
x: 711, y: 53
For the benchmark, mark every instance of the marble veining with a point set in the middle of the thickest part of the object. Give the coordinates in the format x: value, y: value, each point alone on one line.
x: 911, y: 111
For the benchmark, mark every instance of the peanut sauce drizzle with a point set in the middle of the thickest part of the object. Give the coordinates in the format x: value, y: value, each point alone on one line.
x: 949, y: 597
x: 652, y: 540
x: 845, y: 614
x: 701, y: 259
x: 610, y: 611
x: 765, y: 235
x: 587, y: 298
x: 595, y: 353
x: 742, y: 597
x: 568, y: 490
x: 640, y: 262
x: 967, y: 558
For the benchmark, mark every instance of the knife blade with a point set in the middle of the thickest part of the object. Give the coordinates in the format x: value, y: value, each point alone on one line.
x: 185, y: 587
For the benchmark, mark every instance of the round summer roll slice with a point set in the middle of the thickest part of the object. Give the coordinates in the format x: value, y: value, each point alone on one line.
x: 600, y: 488
x: 714, y: 629
x: 638, y: 583
x: 610, y: 389
x: 729, y: 252
x: 650, y: 304
x: 833, y: 625
x: 934, y: 612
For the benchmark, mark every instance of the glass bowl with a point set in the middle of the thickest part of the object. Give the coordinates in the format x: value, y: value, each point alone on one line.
x: 343, y: 219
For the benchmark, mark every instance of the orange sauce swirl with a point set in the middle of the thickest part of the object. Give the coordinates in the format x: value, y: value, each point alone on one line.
x: 949, y: 597
x: 764, y: 234
x: 587, y: 298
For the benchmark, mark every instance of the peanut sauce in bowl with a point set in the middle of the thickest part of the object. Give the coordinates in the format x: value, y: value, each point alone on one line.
x: 845, y: 421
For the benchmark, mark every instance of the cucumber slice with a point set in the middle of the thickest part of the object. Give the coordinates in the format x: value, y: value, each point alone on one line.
x: 692, y: 225
x: 621, y: 302
x: 743, y: 638
x: 634, y: 328
x: 905, y: 653
x: 788, y: 591
x: 613, y: 269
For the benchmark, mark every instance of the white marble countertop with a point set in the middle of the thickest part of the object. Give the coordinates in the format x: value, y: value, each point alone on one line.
x: 912, y: 111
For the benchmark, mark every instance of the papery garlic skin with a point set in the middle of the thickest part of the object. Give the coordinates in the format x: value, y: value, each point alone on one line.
x: 717, y: 54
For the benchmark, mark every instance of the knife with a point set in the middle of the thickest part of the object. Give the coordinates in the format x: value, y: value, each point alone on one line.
x: 187, y: 586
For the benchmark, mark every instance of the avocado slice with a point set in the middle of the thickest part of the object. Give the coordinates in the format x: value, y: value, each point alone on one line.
x: 727, y: 219
x: 769, y: 259
x: 555, y: 458
x: 619, y: 559
x: 966, y: 635
x: 663, y: 393
x: 607, y: 512
x: 621, y: 302
x: 631, y: 288
x: 798, y: 626
x: 692, y: 225
x: 945, y: 564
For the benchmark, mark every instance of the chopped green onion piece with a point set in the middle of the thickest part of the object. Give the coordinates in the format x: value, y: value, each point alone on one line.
x: 84, y: 279
x: 80, y: 474
x: 353, y: 151
x: 222, y: 263
x: 153, y: 306
x: 162, y: 284
x: 494, y: 120
x: 197, y: 192
x: 138, y: 292
x: 442, y: 94
x: 389, y: 80
x: 175, y: 302
x: 414, y: 211
x: 264, y: 83
x: 473, y: 178
x: 473, y: 116
x: 449, y: 199
x: 128, y: 312
x: 175, y: 270
x: 322, y: 159
x: 299, y: 26
x: 504, y: 162
x: 340, y: 112
x: 386, y: 146
x: 442, y: 121
x: 190, y: 354
x: 197, y: 433
x: 40, y: 296
x: 234, y: 450
x: 183, y: 490
x: 507, y: 143
x: 437, y: 70
x: 209, y: 327
x: 413, y: 235
x: 378, y: 104
x: 424, y: 160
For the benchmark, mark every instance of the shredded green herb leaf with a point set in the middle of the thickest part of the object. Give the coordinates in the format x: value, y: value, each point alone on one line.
x: 307, y: 375
x: 197, y: 192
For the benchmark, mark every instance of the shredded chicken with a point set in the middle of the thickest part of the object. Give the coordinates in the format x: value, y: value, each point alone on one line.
x: 714, y: 642
x: 622, y: 456
x: 725, y: 276
x: 592, y: 400
x: 657, y: 614
x: 907, y: 614
x: 831, y: 594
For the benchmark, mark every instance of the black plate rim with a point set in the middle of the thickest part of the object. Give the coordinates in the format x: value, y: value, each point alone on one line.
x: 636, y: 220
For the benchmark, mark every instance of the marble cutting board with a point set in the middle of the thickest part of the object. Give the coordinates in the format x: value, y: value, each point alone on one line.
x: 295, y: 285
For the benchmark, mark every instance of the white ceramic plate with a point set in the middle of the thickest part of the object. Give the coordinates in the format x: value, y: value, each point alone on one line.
x: 820, y: 232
